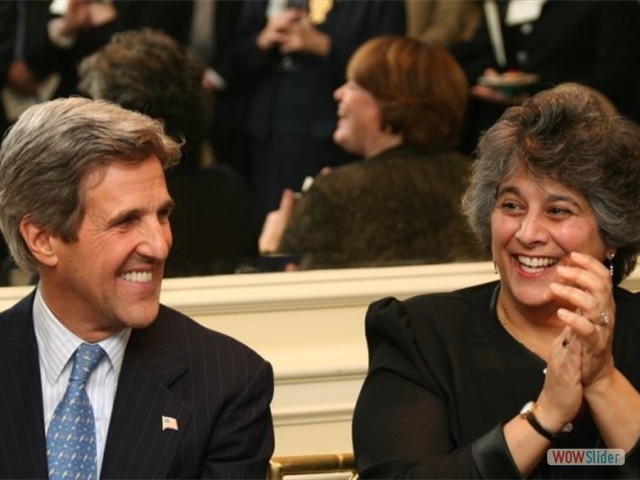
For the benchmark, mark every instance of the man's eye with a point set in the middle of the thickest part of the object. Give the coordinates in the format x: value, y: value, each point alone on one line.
x: 126, y: 220
x: 164, y: 215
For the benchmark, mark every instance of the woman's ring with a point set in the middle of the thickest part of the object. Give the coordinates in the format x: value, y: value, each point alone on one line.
x: 603, y: 319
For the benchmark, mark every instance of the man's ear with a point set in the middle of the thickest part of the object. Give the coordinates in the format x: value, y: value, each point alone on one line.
x: 40, y: 242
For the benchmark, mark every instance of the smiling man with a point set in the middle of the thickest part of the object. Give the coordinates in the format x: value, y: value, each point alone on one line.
x: 84, y: 205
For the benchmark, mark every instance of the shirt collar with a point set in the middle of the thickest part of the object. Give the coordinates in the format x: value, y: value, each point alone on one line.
x: 56, y: 344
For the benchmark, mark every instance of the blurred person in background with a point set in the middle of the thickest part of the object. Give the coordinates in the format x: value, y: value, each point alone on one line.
x: 401, y: 110
x: 213, y: 27
x: 150, y: 72
x: 292, y: 55
x: 78, y: 28
x: 444, y: 21
x: 591, y: 42
x: 24, y: 64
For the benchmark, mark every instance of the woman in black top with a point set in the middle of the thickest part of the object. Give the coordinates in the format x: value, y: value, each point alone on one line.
x: 482, y: 382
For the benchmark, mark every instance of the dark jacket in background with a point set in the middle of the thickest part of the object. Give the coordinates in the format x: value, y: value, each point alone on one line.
x: 401, y: 206
x: 171, y: 16
x: 212, y: 223
x: 592, y: 42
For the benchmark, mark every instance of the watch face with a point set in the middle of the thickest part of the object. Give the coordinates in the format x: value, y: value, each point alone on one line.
x: 528, y: 408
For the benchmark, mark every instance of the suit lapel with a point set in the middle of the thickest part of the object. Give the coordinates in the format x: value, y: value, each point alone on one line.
x: 22, y: 437
x: 137, y: 446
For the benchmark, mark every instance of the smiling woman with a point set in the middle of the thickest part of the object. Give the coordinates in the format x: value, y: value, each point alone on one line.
x: 554, y: 193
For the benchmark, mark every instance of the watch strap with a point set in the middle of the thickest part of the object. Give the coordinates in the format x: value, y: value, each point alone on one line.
x: 527, y: 414
x: 533, y: 421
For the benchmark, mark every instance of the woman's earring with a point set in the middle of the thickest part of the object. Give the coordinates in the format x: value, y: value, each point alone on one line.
x: 495, y: 268
x: 611, y: 263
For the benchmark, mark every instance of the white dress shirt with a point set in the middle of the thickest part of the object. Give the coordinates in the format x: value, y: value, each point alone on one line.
x: 56, y: 345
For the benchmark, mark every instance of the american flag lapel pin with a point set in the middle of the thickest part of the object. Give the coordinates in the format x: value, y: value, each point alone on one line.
x: 169, y: 423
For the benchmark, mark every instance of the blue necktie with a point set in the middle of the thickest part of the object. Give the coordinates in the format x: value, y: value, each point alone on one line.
x: 71, y: 437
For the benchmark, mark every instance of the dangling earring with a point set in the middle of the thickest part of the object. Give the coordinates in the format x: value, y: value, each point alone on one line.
x: 611, y: 263
x: 495, y: 268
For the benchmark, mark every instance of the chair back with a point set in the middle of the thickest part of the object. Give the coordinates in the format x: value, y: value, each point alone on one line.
x: 312, y: 465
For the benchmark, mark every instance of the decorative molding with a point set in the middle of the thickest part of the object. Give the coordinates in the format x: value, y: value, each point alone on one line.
x: 316, y: 289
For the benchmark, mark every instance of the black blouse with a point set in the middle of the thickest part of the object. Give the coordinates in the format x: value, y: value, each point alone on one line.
x: 444, y: 376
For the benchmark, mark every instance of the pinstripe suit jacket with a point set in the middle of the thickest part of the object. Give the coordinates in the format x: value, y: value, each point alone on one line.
x: 217, y: 389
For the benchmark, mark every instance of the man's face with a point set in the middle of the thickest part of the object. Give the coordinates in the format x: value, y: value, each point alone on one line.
x: 110, y: 277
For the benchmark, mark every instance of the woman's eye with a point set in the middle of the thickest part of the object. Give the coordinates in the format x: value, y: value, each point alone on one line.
x: 556, y: 211
x: 508, y: 205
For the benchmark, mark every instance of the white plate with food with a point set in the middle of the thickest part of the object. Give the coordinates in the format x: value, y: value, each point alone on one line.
x: 509, y: 79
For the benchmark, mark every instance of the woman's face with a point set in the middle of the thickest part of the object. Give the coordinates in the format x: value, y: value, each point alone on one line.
x: 535, y: 225
x: 359, y: 119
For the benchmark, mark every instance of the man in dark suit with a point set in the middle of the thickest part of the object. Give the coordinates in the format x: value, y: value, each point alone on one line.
x: 8, y: 17
x: 589, y: 42
x: 84, y: 205
x: 228, y: 97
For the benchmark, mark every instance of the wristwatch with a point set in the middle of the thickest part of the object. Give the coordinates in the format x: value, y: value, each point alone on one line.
x: 527, y: 413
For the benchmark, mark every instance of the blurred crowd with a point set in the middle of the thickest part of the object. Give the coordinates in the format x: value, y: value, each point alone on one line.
x: 259, y: 93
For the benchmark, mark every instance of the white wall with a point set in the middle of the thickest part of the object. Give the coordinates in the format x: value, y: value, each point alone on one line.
x: 310, y: 326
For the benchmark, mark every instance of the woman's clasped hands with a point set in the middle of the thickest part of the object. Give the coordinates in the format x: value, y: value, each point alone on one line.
x: 588, y: 289
x: 581, y: 359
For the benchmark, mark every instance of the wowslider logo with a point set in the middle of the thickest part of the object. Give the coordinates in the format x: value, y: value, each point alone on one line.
x: 585, y: 456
